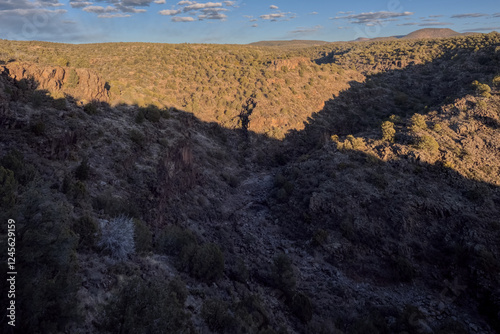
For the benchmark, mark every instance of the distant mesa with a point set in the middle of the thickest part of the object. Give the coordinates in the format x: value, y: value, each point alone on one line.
x: 432, y: 33
x: 290, y: 44
x: 418, y: 34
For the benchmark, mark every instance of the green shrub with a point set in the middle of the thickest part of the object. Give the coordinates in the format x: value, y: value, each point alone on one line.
x: 90, y: 108
x: 216, y: 316
x: 137, y: 137
x: 86, y: 229
x: 82, y: 172
x: 482, y: 89
x: 496, y: 81
x: 207, y: 263
x: 151, y: 113
x: 174, y: 240
x: 38, y: 128
x: 417, y: 122
x: 59, y: 104
x: 388, y: 131
x: 428, y: 143
x: 352, y: 143
x: 8, y: 187
x: 437, y: 127
x: 301, y: 307
x: 46, y: 299
x: 147, y: 308
x: 73, y: 79
x: 139, y: 117
x: 23, y: 172
x: 283, y: 274
x: 142, y: 237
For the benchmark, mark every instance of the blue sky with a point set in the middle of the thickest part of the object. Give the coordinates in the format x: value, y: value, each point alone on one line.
x: 238, y: 21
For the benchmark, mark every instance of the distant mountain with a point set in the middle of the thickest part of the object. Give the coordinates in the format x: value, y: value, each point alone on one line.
x: 290, y: 44
x: 432, y: 33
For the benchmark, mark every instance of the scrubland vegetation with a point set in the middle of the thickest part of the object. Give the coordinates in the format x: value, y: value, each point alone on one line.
x: 364, y: 197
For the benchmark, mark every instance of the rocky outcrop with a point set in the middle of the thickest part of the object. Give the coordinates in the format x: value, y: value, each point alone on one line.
x: 82, y: 84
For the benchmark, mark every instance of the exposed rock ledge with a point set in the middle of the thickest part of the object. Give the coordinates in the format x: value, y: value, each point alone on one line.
x: 86, y: 85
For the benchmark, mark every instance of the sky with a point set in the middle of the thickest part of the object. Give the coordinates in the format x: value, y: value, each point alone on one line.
x: 238, y: 21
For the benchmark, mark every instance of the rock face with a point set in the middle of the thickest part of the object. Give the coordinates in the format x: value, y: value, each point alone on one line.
x: 82, y: 84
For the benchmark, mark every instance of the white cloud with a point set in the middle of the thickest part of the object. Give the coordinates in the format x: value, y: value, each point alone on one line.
x: 273, y: 16
x: 197, y: 6
x: 182, y: 3
x: 273, y: 7
x: 229, y: 3
x: 99, y: 9
x: 305, y: 30
x: 110, y: 16
x: 213, y: 16
x: 160, y: 2
x: 468, y: 15
x: 313, y: 13
x: 183, y: 19
x: 255, y: 25
x: 435, y: 24
x: 373, y: 17
x: 170, y: 12
x: 80, y: 4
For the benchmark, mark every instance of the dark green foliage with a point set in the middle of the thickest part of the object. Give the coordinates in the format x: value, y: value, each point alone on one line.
x: 252, y: 316
x: 46, y: 296
x: 174, y: 240
x: 143, y: 237
x: 139, y: 117
x: 78, y: 190
x: 208, y: 263
x: 152, y: 307
x: 301, y: 307
x: 59, y: 104
x: 82, y: 172
x: 205, y: 262
x: 38, y: 128
x: 283, y: 274
x: 23, y: 172
x: 216, y: 316
x: 8, y: 187
x: 38, y: 98
x: 114, y: 206
x: 137, y: 137
x: 90, y: 108
x: 73, y: 79
x: 151, y: 113
x: 86, y: 229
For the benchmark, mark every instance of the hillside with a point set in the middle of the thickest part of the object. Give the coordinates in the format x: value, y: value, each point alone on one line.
x: 289, y: 43
x: 432, y: 33
x: 340, y: 188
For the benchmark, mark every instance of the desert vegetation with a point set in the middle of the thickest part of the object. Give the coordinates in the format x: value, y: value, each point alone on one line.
x: 359, y: 195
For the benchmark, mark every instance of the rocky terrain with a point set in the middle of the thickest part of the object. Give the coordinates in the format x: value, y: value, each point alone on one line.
x: 379, y: 214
